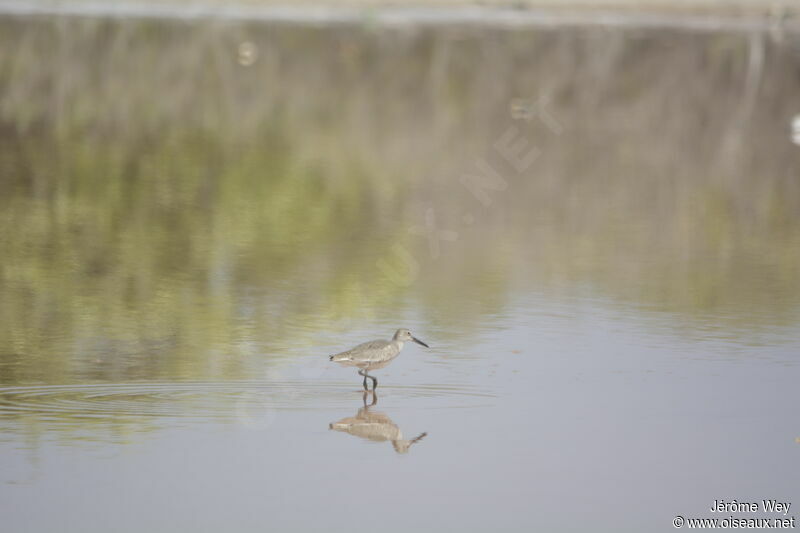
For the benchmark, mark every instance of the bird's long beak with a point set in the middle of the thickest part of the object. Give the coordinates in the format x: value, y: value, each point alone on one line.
x: 419, y: 342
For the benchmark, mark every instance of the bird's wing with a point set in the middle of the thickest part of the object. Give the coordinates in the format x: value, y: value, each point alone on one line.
x: 371, y: 346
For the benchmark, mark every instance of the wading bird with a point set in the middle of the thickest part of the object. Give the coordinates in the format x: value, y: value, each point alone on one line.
x: 373, y: 355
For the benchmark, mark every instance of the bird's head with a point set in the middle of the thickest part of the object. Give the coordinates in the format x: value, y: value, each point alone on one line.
x: 403, y: 335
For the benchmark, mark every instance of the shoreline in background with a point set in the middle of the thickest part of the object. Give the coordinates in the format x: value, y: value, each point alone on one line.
x: 702, y: 15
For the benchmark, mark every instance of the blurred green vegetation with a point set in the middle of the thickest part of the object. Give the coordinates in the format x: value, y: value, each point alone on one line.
x: 178, y: 194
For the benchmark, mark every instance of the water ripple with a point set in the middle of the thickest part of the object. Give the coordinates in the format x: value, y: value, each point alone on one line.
x: 213, y: 400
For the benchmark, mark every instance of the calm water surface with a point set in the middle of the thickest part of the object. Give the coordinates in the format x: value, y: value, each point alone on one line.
x: 196, y: 214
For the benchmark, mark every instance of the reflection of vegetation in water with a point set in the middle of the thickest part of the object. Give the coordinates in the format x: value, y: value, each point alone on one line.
x: 166, y: 209
x: 155, y: 254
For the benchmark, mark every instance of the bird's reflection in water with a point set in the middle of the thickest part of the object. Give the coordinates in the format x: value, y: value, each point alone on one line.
x: 375, y: 426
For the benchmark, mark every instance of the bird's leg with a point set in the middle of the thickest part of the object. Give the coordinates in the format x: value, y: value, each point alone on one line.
x: 363, y: 373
